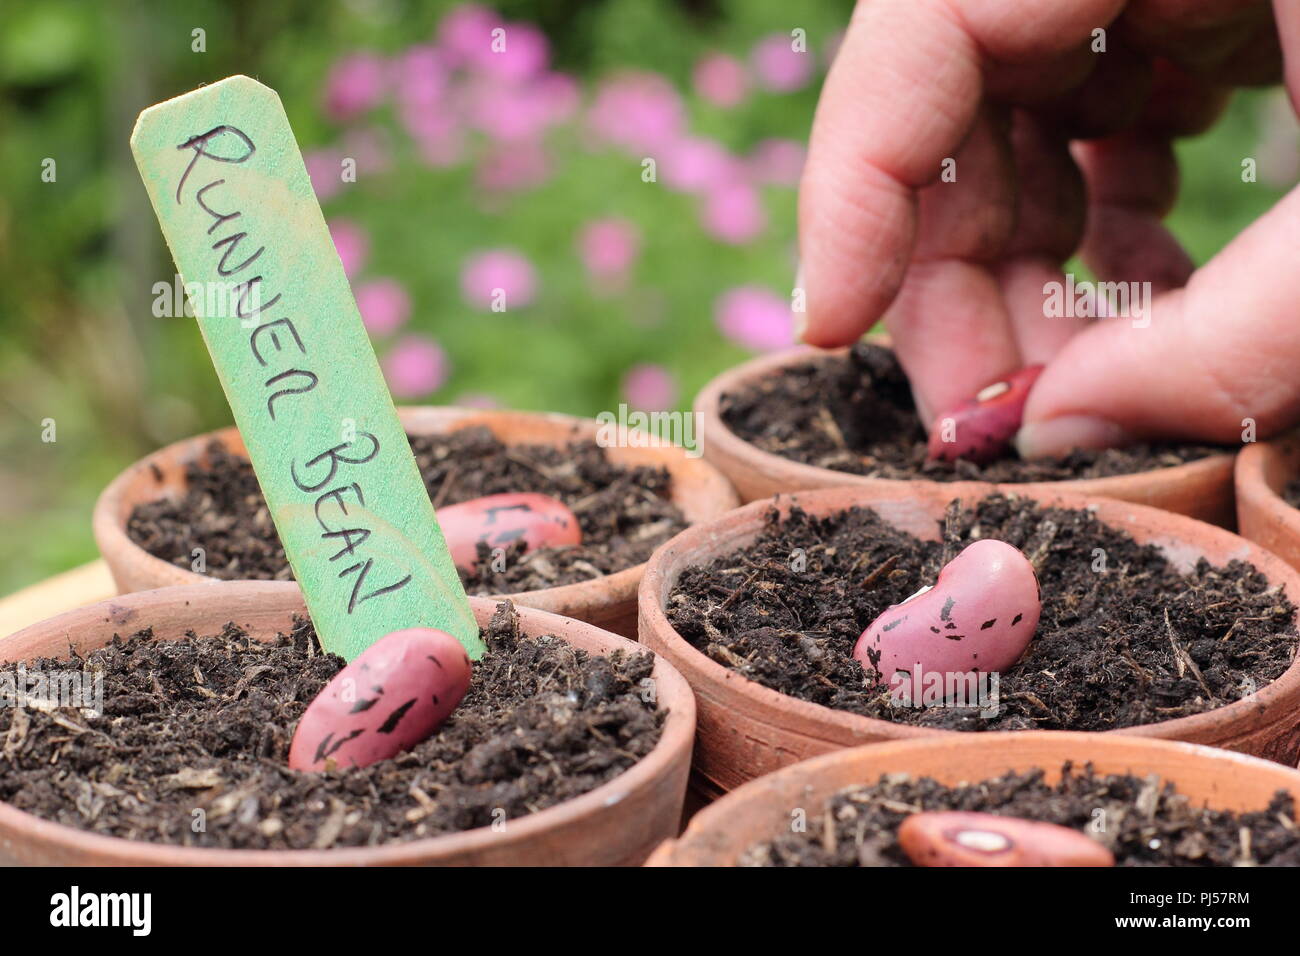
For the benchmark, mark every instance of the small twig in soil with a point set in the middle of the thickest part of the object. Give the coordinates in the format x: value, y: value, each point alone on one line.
x: 444, y: 489
x: 17, y: 733
x: 887, y: 565
x: 1032, y: 698
x: 1185, y: 662
x: 588, y: 568
x: 829, y: 426
x: 1240, y: 620
x: 731, y: 598
x: 1173, y: 643
x: 427, y: 805
x: 951, y: 537
x: 1145, y: 674
x: 1246, y: 858
x: 898, y: 806
x: 1045, y: 546
x: 1148, y: 798
x: 829, y: 842
x: 332, y: 827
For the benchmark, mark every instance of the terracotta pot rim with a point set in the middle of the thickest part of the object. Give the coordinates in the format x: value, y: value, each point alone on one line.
x: 708, y: 400
x: 682, y: 550
x: 111, y: 536
x: 1251, y: 476
x: 1078, y: 747
x: 678, y: 732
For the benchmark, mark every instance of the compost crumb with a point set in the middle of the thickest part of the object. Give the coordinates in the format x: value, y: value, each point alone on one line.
x: 204, y: 723
x: 1146, y: 822
x: 855, y: 414
x: 625, y: 513
x: 1125, y: 637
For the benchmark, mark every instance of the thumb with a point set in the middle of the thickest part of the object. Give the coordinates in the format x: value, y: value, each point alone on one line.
x: 1216, y: 355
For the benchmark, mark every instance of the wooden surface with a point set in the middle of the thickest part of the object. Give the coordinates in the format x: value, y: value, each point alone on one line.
x: 63, y: 592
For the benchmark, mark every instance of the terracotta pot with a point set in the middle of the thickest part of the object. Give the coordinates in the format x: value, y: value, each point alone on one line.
x: 1201, y: 489
x: 618, y: 823
x: 746, y: 730
x: 1263, y: 471
x: 609, y: 602
x: 760, y: 809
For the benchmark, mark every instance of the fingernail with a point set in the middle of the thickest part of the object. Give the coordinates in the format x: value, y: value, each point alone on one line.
x: 1060, y: 436
x: 799, y: 305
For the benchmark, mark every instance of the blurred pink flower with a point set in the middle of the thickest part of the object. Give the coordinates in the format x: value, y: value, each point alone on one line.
x: 518, y: 53
x: 384, y: 305
x: 514, y: 167
x: 326, y: 171
x: 755, y: 318
x: 561, y: 94
x: 438, y: 135
x: 510, y: 112
x: 498, y: 269
x: 421, y: 76
x: 507, y: 112
x: 721, y: 80
x: 608, y: 248
x: 695, y: 165
x: 465, y: 34
x: 415, y: 366
x: 355, y: 84
x: 733, y: 213
x: 777, y: 161
x: 352, y: 243
x: 637, y: 111
x: 781, y: 68
x: 369, y: 147
x: 651, y: 388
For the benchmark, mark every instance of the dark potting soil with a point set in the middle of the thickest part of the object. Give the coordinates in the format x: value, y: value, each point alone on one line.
x: 856, y: 415
x: 1124, y: 638
x: 625, y: 513
x: 204, y: 723
x: 1142, y: 822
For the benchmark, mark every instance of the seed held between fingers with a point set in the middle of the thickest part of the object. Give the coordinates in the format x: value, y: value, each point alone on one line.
x: 981, y: 428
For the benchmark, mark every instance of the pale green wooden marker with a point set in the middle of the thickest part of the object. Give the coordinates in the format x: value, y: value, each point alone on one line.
x: 230, y: 189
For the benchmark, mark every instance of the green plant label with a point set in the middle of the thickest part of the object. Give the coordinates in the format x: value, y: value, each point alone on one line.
x: 230, y: 189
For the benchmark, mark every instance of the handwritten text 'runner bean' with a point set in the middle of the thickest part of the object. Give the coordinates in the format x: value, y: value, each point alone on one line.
x: 230, y: 189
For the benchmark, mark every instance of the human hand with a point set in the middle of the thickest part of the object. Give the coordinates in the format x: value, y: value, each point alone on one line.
x: 1057, y: 149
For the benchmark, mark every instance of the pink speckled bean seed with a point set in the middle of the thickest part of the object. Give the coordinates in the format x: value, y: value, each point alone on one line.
x: 501, y: 520
x: 956, y: 838
x: 498, y: 520
x: 396, y: 693
x: 979, y: 616
x: 980, y: 429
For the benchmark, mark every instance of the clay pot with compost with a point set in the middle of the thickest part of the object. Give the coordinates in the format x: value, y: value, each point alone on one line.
x: 1037, y: 800
x: 215, y: 731
x: 573, y: 540
x: 805, y: 419
x: 831, y: 618
x: 1267, y: 477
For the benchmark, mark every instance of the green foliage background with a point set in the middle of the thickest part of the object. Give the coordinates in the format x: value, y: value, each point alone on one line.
x: 79, y: 257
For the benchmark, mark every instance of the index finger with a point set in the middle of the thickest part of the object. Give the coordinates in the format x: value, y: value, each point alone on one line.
x: 903, y: 92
